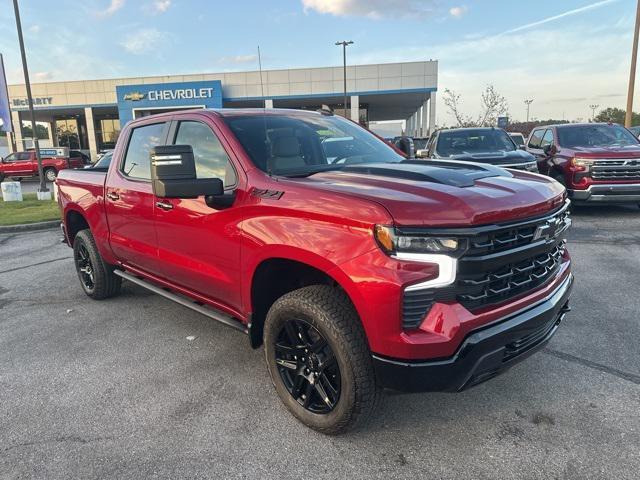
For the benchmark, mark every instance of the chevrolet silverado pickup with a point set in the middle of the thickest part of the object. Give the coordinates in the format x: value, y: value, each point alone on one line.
x: 479, y: 144
x: 357, y: 269
x: 25, y: 164
x: 596, y: 162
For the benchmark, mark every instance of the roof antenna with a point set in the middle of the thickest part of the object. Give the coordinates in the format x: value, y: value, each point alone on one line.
x: 267, y: 144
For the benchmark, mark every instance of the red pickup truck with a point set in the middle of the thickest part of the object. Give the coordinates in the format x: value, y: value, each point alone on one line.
x: 24, y: 164
x: 356, y: 268
x: 597, y: 162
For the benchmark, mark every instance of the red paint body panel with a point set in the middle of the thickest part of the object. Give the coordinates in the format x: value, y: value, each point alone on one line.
x: 325, y: 221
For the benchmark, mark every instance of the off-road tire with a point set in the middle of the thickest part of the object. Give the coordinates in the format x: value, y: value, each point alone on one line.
x: 329, y: 311
x: 105, y: 283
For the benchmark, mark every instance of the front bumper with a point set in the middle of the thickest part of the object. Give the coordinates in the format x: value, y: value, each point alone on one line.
x: 607, y: 193
x: 484, y: 353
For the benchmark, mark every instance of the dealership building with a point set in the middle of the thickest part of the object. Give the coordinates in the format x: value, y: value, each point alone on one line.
x: 88, y: 115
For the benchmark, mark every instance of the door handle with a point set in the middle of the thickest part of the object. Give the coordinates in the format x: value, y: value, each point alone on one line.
x: 113, y: 196
x: 164, y: 205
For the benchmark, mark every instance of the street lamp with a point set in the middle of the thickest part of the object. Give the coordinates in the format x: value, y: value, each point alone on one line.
x: 344, y: 66
x: 528, y: 103
x: 36, y: 144
x: 593, y: 111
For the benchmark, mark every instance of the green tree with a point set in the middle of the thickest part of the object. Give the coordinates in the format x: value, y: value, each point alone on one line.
x: 27, y: 131
x: 616, y: 115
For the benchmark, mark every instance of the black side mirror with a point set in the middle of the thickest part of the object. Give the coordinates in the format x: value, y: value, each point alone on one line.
x: 173, y: 174
x: 549, y: 150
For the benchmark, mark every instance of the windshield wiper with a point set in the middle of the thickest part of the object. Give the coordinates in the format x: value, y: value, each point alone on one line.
x: 306, y: 172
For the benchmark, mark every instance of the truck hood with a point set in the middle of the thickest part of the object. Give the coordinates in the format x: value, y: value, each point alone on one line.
x: 444, y: 193
x: 630, y: 151
x: 496, y: 158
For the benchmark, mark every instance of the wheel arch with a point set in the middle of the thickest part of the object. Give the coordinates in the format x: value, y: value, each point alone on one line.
x: 277, y: 275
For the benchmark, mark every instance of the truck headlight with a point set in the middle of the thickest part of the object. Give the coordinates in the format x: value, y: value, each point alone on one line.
x: 441, y: 251
x: 392, y: 242
x: 581, y: 164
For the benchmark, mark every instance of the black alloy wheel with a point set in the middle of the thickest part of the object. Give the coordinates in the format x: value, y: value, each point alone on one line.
x: 308, y: 366
x: 85, y: 268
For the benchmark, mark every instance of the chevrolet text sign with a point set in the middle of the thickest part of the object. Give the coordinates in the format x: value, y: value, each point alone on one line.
x: 180, y: 94
x: 134, y: 100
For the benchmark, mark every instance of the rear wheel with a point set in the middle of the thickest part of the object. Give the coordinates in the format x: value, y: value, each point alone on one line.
x: 50, y: 174
x: 319, y: 360
x: 96, y: 277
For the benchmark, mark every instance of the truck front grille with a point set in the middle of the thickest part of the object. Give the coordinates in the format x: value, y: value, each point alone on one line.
x: 616, y: 170
x: 501, y: 263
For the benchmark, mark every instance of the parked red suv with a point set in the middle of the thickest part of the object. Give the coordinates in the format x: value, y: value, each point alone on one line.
x: 357, y: 269
x: 597, y: 162
x: 24, y: 164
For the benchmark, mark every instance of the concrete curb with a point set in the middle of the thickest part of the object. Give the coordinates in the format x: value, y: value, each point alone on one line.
x: 30, y: 227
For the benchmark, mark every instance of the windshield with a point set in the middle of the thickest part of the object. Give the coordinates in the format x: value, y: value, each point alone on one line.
x: 595, y: 136
x: 459, y: 142
x: 299, y: 145
x: 104, y: 161
x: 518, y: 139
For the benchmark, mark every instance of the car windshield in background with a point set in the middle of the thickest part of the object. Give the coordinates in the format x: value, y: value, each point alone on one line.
x: 459, y: 142
x: 420, y: 143
x: 517, y: 139
x: 104, y: 161
x: 595, y: 136
x: 299, y: 145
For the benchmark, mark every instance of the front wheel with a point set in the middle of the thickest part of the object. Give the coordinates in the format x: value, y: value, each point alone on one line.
x: 50, y: 174
x: 96, y: 277
x: 319, y: 361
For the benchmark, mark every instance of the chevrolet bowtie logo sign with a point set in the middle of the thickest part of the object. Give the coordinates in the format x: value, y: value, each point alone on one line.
x: 134, y: 96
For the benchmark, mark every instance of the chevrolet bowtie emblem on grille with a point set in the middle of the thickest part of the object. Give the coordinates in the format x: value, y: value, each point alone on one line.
x: 546, y: 230
x: 134, y: 96
x: 631, y: 163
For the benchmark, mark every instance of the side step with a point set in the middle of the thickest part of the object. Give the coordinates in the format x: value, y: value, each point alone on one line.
x: 186, y: 302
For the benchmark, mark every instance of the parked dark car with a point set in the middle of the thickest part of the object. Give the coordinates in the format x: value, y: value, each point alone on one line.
x: 481, y: 145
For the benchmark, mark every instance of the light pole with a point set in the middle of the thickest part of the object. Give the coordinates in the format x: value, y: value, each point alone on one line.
x: 593, y: 107
x: 529, y: 102
x: 344, y: 66
x: 628, y: 119
x: 36, y: 144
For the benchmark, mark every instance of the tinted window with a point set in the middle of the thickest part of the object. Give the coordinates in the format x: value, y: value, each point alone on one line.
x: 595, y: 136
x: 10, y: 158
x: 517, y: 139
x: 210, y: 157
x: 305, y: 144
x: 420, y: 143
x: 136, y: 162
x: 457, y: 142
x: 547, y: 139
x: 104, y: 162
x: 536, y: 139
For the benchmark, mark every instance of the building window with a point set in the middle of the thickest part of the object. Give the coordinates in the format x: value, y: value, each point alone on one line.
x: 67, y: 133
x: 108, y: 133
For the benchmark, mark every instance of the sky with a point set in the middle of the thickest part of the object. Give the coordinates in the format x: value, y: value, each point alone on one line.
x: 563, y: 54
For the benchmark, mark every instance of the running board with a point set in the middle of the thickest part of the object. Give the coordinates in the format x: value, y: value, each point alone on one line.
x: 186, y: 302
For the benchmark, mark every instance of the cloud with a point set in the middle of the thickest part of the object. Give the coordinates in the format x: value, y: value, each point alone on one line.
x: 158, y: 7
x: 113, y: 7
x: 553, y: 18
x: 42, y: 76
x: 144, y: 41
x: 35, y: 29
x: 458, y: 12
x: 239, y: 59
x: 374, y: 9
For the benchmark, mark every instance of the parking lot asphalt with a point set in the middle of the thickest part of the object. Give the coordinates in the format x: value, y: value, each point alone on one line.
x: 115, y: 389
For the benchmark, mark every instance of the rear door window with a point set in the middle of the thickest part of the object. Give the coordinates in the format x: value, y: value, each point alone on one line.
x: 136, y: 161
